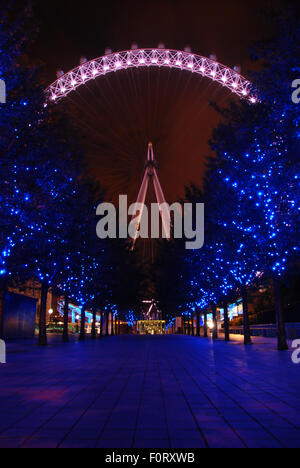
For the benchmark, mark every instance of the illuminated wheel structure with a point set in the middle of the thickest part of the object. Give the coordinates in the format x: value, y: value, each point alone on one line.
x: 71, y: 84
x: 206, y: 67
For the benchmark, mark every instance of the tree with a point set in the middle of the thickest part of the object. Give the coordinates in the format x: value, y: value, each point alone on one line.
x: 39, y: 172
x: 19, y: 164
x: 80, y: 230
x: 258, y: 148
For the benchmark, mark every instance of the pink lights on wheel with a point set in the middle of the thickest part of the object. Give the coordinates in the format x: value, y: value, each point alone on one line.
x: 207, y: 67
x: 142, y: 59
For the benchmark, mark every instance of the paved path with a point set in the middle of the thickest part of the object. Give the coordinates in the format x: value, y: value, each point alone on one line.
x: 149, y: 392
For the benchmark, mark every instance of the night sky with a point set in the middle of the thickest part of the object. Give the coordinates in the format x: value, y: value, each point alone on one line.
x: 120, y: 113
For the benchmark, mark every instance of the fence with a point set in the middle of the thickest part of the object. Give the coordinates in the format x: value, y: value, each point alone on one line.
x: 269, y: 331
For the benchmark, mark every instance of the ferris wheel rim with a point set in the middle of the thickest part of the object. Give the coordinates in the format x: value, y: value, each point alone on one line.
x: 146, y: 58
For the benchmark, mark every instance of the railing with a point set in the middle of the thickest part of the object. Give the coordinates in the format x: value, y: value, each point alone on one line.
x: 269, y: 331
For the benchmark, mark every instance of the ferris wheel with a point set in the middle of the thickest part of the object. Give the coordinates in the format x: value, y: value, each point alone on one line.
x: 92, y: 71
x: 138, y: 58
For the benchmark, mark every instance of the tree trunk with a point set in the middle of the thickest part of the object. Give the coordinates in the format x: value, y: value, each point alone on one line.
x: 119, y: 327
x: 112, y: 324
x: 94, y: 334
x: 3, y: 290
x: 247, y: 333
x: 82, y: 324
x: 215, y: 322
x: 54, y: 303
x: 107, y: 324
x: 189, y: 325
x: 101, y: 324
x: 226, y: 322
x: 281, y: 331
x: 65, y: 337
x: 193, y: 330
x: 43, y: 315
x: 205, y: 325
x: 198, y: 323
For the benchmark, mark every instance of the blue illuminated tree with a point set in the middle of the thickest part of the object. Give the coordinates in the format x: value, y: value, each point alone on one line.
x: 18, y: 163
x: 78, y: 225
x: 208, y: 268
x: 258, y: 148
x: 80, y: 264
x: 39, y: 171
x: 56, y: 211
x: 232, y: 238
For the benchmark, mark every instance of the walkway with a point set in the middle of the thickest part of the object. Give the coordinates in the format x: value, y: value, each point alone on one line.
x: 149, y: 392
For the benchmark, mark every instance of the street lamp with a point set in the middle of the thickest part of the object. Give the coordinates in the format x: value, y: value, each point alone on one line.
x: 50, y: 312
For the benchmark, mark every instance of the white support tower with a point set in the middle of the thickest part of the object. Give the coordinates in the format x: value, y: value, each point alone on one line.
x: 151, y: 176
